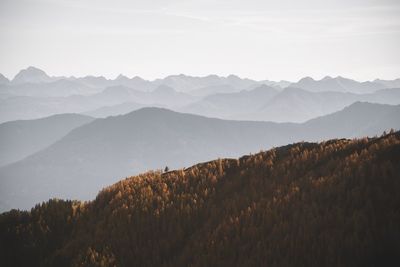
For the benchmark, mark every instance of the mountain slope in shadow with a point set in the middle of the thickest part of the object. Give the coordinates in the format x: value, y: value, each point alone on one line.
x: 19, y: 139
x: 101, y: 152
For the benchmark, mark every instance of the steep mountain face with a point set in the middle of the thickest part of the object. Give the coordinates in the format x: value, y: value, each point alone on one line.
x: 328, y: 204
x: 98, y: 153
x: 19, y: 139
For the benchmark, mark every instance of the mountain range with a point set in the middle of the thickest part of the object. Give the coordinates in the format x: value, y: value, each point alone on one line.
x: 104, y: 150
x: 338, y: 84
x: 33, y: 94
x: 291, y: 104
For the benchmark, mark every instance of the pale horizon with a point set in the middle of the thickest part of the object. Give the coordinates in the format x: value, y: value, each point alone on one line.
x: 259, y: 39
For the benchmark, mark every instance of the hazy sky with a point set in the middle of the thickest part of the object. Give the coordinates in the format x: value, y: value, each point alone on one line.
x: 260, y: 39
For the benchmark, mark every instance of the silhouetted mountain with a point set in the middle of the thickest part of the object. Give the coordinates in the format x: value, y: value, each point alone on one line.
x: 100, y: 152
x: 31, y: 75
x: 338, y: 84
x: 19, y: 139
x: 330, y: 204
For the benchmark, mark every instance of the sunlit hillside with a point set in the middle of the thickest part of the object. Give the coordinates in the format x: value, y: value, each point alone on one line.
x: 334, y: 203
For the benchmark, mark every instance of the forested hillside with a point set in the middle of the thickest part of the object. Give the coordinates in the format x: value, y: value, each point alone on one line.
x: 100, y: 153
x: 335, y: 203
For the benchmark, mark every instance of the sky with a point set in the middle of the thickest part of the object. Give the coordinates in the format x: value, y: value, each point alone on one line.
x: 258, y: 39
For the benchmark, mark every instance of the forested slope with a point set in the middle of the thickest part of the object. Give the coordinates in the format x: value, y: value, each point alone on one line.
x: 335, y: 203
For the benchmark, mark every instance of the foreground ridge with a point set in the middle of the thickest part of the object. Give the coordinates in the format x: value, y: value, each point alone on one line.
x: 307, y: 204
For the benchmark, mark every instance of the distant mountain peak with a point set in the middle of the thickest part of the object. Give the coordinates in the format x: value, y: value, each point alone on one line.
x: 138, y: 78
x: 31, y: 75
x: 341, y: 78
x: 121, y: 77
x: 150, y: 111
x: 306, y: 79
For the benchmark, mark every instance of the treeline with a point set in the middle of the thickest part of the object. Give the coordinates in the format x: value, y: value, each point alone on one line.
x: 336, y: 203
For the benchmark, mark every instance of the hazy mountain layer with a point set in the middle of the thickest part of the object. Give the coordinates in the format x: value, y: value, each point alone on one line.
x: 290, y: 105
x: 25, y: 107
x: 115, y: 110
x: 19, y: 139
x: 34, y: 94
x: 338, y: 84
x: 101, y: 152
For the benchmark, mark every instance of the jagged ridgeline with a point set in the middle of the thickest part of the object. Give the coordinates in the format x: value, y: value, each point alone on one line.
x: 336, y: 203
